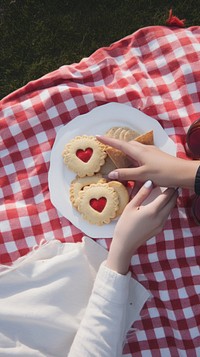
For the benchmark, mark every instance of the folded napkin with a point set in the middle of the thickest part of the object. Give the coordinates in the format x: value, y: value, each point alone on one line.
x: 44, y: 295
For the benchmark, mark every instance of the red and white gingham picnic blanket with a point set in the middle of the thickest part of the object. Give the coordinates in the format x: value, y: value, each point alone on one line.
x: 156, y: 70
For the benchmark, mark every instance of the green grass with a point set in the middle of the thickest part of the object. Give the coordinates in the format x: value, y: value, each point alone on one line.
x: 39, y: 36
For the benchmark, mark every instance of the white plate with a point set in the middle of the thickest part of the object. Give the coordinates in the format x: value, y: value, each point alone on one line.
x: 97, y: 121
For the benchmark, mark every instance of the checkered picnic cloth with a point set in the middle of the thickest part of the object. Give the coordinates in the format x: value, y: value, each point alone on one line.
x: 156, y: 70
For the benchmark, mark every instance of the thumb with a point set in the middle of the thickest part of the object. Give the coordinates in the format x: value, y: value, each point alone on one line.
x: 125, y: 174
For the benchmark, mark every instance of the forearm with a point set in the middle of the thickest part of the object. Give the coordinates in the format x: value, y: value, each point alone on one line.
x: 184, y: 173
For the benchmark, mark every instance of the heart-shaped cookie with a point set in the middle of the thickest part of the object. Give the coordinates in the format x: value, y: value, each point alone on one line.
x: 98, y: 203
x: 84, y: 155
x: 80, y: 182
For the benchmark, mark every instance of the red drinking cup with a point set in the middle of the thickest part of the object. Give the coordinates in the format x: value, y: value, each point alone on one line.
x: 193, y: 140
x: 196, y: 209
x: 193, y: 150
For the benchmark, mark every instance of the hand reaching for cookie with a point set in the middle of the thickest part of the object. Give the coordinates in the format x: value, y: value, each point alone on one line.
x: 137, y: 224
x: 150, y: 163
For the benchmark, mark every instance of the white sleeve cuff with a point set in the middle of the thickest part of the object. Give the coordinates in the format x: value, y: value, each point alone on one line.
x: 111, y: 285
x: 121, y: 289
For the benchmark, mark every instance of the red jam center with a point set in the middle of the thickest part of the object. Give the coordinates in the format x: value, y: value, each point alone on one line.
x: 99, y: 204
x: 84, y: 155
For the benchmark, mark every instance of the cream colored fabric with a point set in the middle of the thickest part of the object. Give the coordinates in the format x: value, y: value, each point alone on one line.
x: 43, y: 298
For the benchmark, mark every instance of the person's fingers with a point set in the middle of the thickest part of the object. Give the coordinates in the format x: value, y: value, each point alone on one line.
x: 164, y: 212
x: 132, y: 150
x: 142, y: 194
x: 135, y: 189
x: 126, y: 174
x: 171, y: 202
x: 169, y: 195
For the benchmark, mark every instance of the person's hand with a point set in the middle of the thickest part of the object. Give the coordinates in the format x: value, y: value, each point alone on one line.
x: 137, y: 224
x: 150, y: 163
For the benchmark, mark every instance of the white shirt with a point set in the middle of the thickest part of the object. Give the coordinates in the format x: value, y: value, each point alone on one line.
x: 44, y: 296
x: 103, y: 328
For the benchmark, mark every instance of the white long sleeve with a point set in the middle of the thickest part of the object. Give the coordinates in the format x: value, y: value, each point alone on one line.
x: 44, y: 296
x: 103, y: 328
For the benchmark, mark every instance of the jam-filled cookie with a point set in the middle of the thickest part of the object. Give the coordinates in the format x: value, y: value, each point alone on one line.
x: 84, y: 155
x: 122, y: 195
x: 79, y: 183
x: 98, y: 203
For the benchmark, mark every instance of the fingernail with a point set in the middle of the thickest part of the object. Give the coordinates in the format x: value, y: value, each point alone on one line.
x: 113, y: 175
x: 148, y: 184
